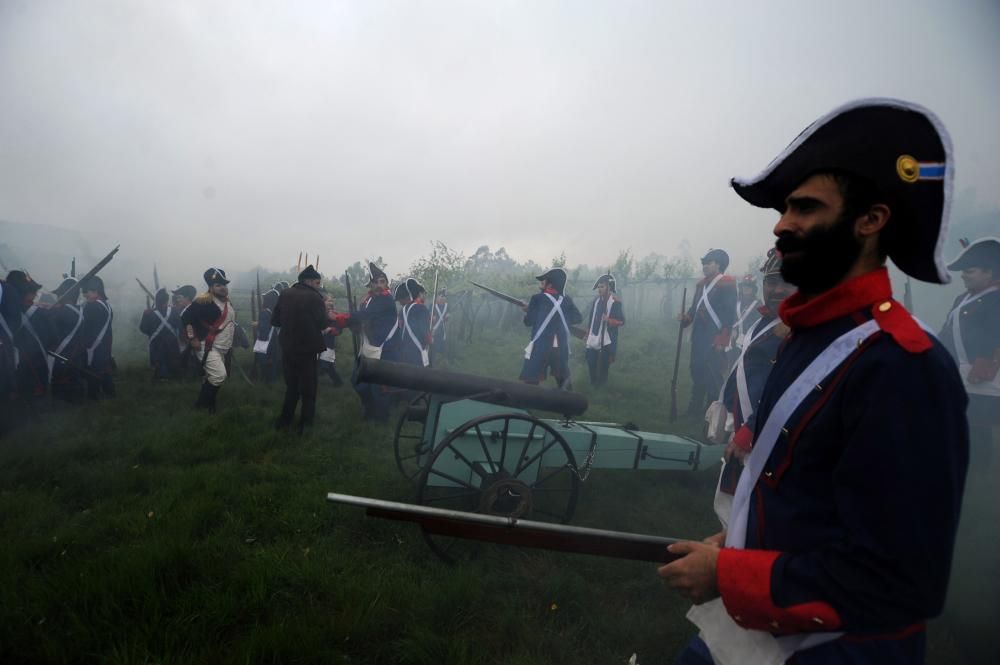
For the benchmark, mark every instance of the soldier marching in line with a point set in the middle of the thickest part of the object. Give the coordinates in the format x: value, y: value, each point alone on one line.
x: 67, y: 320
x: 210, y: 326
x: 607, y: 315
x: 413, y: 335
x: 328, y: 358
x: 32, y: 342
x: 96, y: 338
x: 188, y: 362
x: 747, y: 313
x: 711, y: 317
x: 162, y: 324
x: 972, y: 334
x: 549, y: 314
x: 267, y: 347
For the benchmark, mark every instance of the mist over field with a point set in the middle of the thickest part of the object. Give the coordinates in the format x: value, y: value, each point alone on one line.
x: 463, y: 140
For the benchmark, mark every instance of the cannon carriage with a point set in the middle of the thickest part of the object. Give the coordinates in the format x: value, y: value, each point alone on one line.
x: 470, y: 443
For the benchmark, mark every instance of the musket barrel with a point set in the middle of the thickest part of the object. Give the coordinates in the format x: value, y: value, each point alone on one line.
x: 481, y: 388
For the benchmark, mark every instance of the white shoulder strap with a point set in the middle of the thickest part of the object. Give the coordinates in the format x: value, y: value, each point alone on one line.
x: 704, y: 301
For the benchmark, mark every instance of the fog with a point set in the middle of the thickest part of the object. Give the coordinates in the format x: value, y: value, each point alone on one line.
x: 237, y: 134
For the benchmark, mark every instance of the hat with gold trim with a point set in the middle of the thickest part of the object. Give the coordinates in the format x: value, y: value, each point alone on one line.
x: 899, y: 147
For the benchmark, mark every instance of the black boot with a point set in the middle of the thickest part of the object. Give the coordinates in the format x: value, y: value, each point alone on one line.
x: 308, y: 415
x: 203, y: 398
x: 213, y: 393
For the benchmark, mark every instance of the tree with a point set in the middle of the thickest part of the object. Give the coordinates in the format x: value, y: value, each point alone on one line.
x: 443, y: 261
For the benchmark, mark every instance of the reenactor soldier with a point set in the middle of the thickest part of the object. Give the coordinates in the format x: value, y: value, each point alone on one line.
x: 186, y: 364
x: 162, y: 324
x: 96, y: 338
x: 439, y: 325
x: 607, y: 315
x: 301, y: 316
x: 267, y: 347
x: 972, y: 334
x: 67, y: 320
x: 210, y: 326
x: 10, y: 323
x: 32, y: 341
x: 413, y: 334
x: 840, y: 539
x: 549, y: 314
x: 747, y: 312
x: 711, y: 317
x: 376, y: 317
x: 328, y: 358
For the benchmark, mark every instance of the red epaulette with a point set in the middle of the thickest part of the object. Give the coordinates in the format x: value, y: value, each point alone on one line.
x: 726, y: 279
x: 899, y: 324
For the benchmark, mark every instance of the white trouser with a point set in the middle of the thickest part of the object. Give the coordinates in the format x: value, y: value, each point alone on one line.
x: 215, y: 366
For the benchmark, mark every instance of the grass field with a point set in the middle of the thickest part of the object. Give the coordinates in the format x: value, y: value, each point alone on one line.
x: 139, y: 531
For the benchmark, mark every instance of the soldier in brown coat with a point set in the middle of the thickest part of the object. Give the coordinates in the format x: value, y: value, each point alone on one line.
x: 301, y: 317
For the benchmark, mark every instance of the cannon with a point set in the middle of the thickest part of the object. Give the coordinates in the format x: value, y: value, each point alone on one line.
x: 469, y: 443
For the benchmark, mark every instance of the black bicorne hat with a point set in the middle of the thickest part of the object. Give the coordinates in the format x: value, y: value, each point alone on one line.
x: 94, y: 283
x: 414, y: 287
x: 22, y: 281
x: 187, y: 291
x: 400, y: 291
x: 609, y: 279
x: 983, y: 253
x: 555, y: 276
x: 901, y: 148
x: 64, y: 286
x: 309, y: 273
x: 720, y: 256
x: 215, y: 276
x: 374, y: 272
x: 161, y: 297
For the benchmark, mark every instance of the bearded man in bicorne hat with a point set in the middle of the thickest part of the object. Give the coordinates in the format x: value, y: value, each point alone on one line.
x: 840, y: 538
x: 607, y: 316
x: 210, y: 327
x: 549, y: 315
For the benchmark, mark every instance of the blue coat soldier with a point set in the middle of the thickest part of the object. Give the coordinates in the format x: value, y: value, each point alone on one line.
x: 376, y: 317
x: 96, y: 339
x: 32, y: 341
x: 711, y: 317
x: 607, y: 315
x: 843, y: 523
x: 267, y: 345
x: 747, y: 313
x: 10, y: 323
x: 549, y: 315
x: 439, y: 325
x: 67, y: 320
x: 162, y: 324
x: 972, y: 334
x: 413, y: 335
x: 748, y: 376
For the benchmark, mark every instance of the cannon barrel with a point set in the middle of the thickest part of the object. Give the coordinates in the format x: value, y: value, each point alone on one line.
x: 481, y: 388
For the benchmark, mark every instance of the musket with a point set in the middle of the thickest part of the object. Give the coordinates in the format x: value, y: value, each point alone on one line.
x: 143, y: 287
x: 156, y: 279
x: 260, y: 297
x: 514, y: 531
x: 433, y: 312
x: 576, y: 331
x: 677, y: 358
x: 72, y: 268
x: 352, y: 308
x: 74, y: 291
x: 72, y: 365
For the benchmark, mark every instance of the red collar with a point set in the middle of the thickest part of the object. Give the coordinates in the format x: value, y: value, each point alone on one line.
x: 851, y: 296
x: 551, y: 291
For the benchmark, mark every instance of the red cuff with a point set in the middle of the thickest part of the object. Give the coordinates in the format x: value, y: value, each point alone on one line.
x: 615, y: 323
x: 743, y: 439
x: 744, y: 579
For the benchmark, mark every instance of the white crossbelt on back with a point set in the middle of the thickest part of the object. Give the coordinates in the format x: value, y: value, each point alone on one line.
x: 424, y: 356
x: 596, y: 341
x: 964, y: 366
x: 68, y: 338
x: 164, y: 323
x: 440, y: 313
x: 556, y: 309
x: 741, y: 316
x: 100, y: 336
x: 26, y: 323
x: 10, y: 335
x: 729, y: 643
x: 708, y: 304
x: 742, y: 389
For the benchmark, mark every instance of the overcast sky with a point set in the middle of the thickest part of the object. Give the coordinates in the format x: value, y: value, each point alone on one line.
x: 243, y: 132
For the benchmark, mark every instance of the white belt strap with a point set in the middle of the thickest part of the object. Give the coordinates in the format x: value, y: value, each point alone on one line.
x: 955, y: 317
x: 707, y: 303
x: 425, y: 358
x: 741, y: 316
x: 100, y: 336
x: 68, y: 338
x: 26, y: 322
x: 596, y: 341
x: 10, y: 335
x: 164, y: 323
x: 742, y: 389
x: 556, y: 309
x: 440, y: 314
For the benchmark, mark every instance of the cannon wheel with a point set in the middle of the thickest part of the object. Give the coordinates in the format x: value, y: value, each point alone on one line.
x: 407, y: 443
x: 517, y: 488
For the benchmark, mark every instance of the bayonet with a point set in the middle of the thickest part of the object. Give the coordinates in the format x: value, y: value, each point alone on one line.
x: 72, y: 268
x: 576, y: 331
x: 677, y: 358
x: 156, y: 279
x: 514, y: 531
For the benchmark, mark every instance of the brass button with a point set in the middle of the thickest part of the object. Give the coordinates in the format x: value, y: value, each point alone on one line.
x: 784, y: 431
x: 775, y: 625
x: 885, y: 307
x: 818, y: 621
x: 819, y: 388
x: 768, y: 473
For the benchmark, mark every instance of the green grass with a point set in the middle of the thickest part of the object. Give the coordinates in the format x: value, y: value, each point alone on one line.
x: 136, y: 530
